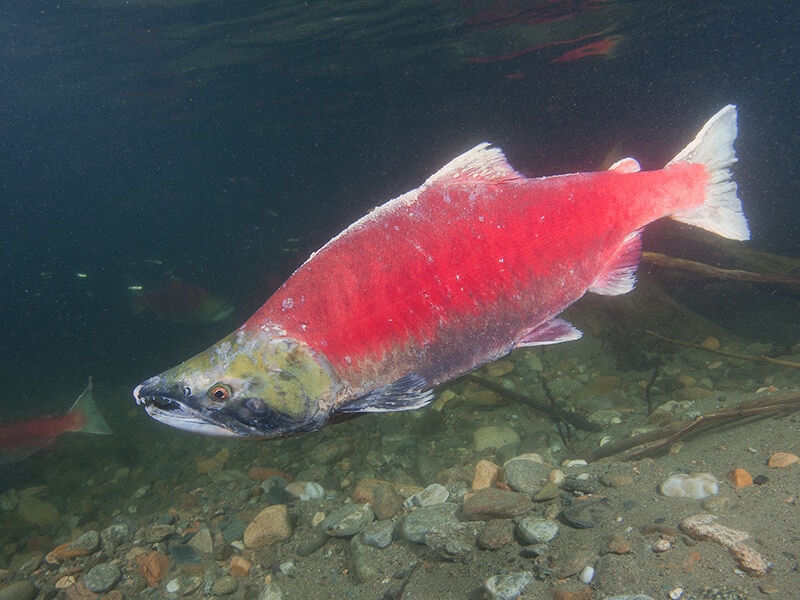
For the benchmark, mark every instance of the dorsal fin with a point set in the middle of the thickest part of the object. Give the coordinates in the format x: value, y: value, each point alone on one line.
x: 626, y: 165
x: 481, y: 164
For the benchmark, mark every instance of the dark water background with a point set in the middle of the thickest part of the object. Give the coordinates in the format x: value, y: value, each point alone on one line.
x: 222, y: 142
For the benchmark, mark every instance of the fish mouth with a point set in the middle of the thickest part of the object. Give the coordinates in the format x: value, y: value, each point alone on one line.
x: 181, y: 415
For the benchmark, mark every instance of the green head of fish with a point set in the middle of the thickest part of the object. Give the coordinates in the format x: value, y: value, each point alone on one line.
x: 250, y: 384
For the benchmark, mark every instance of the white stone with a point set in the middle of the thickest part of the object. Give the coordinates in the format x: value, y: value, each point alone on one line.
x: 587, y: 574
x: 697, y: 486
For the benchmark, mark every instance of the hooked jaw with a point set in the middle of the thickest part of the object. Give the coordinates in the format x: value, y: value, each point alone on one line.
x: 244, y: 386
x: 167, y: 409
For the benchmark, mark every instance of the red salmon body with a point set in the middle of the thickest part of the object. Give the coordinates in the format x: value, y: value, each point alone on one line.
x: 477, y: 261
x: 471, y: 264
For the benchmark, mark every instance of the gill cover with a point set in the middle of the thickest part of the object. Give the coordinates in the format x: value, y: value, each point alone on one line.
x: 252, y: 383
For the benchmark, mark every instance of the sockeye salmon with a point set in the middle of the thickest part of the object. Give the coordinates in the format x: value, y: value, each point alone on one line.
x: 476, y: 262
x: 21, y: 439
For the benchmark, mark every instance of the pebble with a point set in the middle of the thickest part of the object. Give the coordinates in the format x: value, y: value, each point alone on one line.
x: 740, y: 478
x: 535, y: 530
x: 379, y: 534
x: 499, y: 368
x: 152, y: 534
x: 102, y: 577
x: 439, y: 518
x: 493, y: 503
x: 579, y: 485
x: 21, y: 590
x: 585, y: 514
x: 661, y: 546
x: 782, y: 459
x: 240, y: 566
x: 331, y: 451
x: 525, y: 474
x: 587, y: 574
x: 37, y: 511
x: 386, y: 502
x: 433, y: 494
x: 348, y: 520
x: 83, y: 545
x: 311, y: 541
x: 508, y: 587
x: 487, y: 474
x: 697, y: 486
x: 270, y: 526
x: 494, y: 436
x: 548, y: 492
x: 224, y: 586
x: 113, y: 536
x: 703, y: 528
x: 173, y: 586
x: 183, y: 554
x: 496, y: 534
x: 202, y: 542
x: 271, y: 591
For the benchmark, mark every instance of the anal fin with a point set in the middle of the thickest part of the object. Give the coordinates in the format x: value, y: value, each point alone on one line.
x: 619, y: 276
x: 553, y: 331
x: 407, y: 393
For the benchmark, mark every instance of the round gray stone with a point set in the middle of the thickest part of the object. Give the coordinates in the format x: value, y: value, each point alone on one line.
x: 525, y: 475
x: 535, y: 530
x: 348, y: 520
x: 102, y: 577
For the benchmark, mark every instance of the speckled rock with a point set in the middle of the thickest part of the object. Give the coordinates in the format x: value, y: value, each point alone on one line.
x: 436, y: 518
x: 508, y: 587
x: 271, y: 591
x: 271, y: 525
x: 386, y: 502
x: 113, y: 536
x: 525, y: 474
x: 152, y: 534
x: 496, y: 534
x: 348, y: 520
x: 535, y: 530
x: 102, y: 577
x: 224, y: 586
x: 88, y: 542
x: 379, y: 534
x: 433, y: 494
x: 492, y: 503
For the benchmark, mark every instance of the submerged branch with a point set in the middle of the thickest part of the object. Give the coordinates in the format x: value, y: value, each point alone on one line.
x: 553, y: 411
x: 762, y: 359
x: 704, y: 270
x: 658, y: 439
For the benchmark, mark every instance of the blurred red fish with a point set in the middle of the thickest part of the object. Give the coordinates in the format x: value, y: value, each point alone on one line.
x: 21, y: 439
x: 182, y: 301
x: 604, y: 47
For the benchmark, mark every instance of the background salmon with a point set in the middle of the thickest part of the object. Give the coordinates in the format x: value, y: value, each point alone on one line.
x: 23, y: 438
x: 477, y: 261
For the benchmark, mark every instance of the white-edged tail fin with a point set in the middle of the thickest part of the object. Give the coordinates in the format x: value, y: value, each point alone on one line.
x: 95, y: 423
x: 721, y: 212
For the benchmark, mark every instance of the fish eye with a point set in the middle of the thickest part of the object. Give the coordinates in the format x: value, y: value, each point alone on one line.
x: 220, y: 392
x: 187, y: 391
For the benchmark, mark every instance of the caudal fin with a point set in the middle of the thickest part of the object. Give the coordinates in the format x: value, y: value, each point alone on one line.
x: 721, y: 213
x: 94, y: 421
